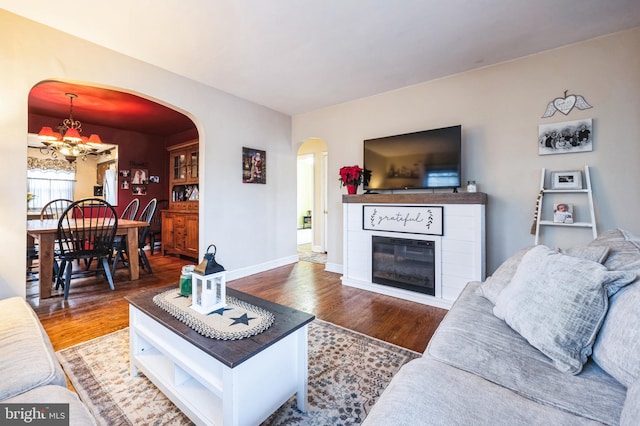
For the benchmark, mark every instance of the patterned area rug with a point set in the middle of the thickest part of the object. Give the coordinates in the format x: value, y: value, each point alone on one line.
x: 347, y: 373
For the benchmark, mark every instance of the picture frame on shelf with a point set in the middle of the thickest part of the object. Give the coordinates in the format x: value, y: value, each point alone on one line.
x: 563, y: 213
x: 566, y: 180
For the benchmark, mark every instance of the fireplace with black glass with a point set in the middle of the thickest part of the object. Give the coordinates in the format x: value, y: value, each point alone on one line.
x: 414, y: 264
x: 404, y: 263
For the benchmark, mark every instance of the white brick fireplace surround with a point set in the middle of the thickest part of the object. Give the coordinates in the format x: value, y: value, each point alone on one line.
x: 459, y: 252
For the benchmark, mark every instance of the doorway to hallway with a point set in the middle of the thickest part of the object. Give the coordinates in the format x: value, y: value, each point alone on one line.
x: 311, y: 201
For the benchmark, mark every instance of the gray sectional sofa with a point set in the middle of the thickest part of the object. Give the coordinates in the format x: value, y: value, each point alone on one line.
x: 29, y: 370
x: 551, y: 338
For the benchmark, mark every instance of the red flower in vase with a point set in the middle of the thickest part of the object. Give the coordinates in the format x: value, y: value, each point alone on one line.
x: 354, y: 176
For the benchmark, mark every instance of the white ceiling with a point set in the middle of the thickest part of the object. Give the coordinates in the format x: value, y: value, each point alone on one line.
x: 296, y: 56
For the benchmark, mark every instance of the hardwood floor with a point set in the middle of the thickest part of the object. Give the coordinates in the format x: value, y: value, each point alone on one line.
x: 93, y: 310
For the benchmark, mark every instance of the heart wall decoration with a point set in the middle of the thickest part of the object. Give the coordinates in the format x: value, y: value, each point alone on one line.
x: 566, y: 104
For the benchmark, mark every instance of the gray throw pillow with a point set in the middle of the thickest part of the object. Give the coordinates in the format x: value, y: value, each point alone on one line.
x: 558, y: 302
x: 630, y: 415
x: 624, y: 248
x: 594, y: 254
x: 494, y: 284
x: 617, y: 348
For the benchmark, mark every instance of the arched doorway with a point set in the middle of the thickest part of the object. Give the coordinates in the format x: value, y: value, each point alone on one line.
x: 312, y: 199
x: 140, y: 128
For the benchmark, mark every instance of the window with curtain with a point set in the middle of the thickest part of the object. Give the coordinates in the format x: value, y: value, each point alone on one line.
x: 49, y: 179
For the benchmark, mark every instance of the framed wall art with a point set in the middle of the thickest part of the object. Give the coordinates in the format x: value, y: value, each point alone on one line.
x: 566, y: 180
x: 254, y: 165
x: 138, y: 190
x: 566, y: 137
x: 410, y: 219
x: 139, y: 176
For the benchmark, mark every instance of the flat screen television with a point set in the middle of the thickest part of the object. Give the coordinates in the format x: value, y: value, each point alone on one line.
x: 422, y: 160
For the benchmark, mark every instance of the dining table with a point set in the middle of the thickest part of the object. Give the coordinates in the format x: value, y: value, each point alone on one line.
x: 37, y: 214
x: 45, y: 231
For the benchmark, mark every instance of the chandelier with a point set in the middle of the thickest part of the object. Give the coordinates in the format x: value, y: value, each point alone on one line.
x: 67, y: 141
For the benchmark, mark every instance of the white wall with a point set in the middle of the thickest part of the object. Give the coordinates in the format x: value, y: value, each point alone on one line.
x: 252, y: 225
x: 500, y: 108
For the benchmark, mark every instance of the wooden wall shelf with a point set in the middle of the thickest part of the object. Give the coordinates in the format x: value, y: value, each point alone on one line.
x: 418, y: 198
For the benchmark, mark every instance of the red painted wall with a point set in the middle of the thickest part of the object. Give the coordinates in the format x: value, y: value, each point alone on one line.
x: 140, y: 151
x: 135, y: 151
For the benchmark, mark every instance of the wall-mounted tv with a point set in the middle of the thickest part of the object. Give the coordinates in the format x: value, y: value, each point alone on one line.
x: 422, y: 160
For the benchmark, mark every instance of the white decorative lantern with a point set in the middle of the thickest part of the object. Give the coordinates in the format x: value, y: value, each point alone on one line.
x: 208, y: 292
x: 208, y: 285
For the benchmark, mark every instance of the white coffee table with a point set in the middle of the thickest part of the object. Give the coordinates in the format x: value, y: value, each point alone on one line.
x: 216, y: 382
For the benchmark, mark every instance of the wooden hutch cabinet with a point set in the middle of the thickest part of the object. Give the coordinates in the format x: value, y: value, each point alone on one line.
x: 180, y: 225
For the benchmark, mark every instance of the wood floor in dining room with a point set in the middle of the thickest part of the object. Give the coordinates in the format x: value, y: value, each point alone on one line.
x: 93, y: 310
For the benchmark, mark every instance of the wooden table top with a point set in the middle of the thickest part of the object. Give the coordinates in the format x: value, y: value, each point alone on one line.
x: 35, y: 215
x: 229, y: 352
x: 51, y: 225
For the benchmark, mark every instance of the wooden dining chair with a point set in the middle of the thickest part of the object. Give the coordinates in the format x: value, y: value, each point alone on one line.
x: 131, y: 210
x: 129, y: 213
x: 123, y: 252
x: 54, y: 208
x: 147, y: 215
x: 86, y: 236
x: 155, y: 230
x: 51, y: 210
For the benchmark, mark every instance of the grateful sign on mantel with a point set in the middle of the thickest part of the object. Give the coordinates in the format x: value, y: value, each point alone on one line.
x: 409, y: 219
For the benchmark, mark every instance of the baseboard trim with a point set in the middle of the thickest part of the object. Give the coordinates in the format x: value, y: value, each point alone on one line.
x: 262, y: 267
x: 333, y: 267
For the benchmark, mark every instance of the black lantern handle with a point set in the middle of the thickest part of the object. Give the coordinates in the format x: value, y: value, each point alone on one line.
x: 209, y: 264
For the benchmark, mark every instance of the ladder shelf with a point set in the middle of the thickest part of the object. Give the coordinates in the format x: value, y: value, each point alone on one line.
x: 545, y: 191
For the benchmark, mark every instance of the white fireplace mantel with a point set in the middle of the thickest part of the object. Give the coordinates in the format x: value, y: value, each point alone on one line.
x: 459, y: 251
